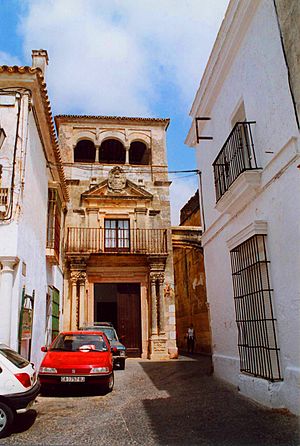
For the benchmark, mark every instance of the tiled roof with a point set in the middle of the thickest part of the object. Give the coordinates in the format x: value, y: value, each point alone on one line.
x: 117, y: 118
x: 47, y: 107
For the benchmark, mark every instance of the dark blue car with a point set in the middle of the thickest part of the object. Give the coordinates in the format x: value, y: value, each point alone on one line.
x: 119, y: 353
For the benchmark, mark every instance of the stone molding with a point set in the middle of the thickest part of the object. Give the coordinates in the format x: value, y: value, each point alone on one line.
x: 258, y: 227
x: 241, y: 192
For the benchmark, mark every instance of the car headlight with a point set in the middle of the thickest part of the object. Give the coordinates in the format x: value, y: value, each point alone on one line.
x: 48, y: 370
x: 100, y: 370
x: 122, y: 352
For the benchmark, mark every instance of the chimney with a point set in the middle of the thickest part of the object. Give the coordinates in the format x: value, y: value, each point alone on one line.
x: 40, y: 60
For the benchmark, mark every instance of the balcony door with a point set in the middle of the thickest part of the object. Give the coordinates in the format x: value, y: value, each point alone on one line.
x: 117, y: 235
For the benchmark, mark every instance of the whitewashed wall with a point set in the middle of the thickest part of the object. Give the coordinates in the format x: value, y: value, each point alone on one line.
x: 25, y: 236
x: 258, y: 76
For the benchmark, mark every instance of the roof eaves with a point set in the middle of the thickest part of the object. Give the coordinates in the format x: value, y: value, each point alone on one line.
x: 47, y: 107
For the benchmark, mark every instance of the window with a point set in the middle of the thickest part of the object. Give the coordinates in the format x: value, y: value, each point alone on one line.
x: 259, y: 354
x: 236, y: 156
x: 112, y: 151
x: 117, y: 235
x: 138, y: 153
x: 84, y: 152
x: 54, y: 221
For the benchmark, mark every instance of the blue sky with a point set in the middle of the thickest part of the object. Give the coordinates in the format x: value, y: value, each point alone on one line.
x: 120, y: 57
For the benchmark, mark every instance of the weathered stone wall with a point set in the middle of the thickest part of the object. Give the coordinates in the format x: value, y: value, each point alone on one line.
x: 288, y: 12
x: 190, y: 297
x: 190, y: 290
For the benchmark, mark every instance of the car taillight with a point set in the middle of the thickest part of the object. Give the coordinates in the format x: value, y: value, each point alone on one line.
x: 24, y: 379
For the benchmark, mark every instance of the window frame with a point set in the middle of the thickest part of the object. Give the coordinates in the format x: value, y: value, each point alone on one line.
x: 117, y: 235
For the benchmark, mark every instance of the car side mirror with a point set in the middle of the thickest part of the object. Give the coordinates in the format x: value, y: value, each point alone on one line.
x: 44, y: 348
x: 114, y: 349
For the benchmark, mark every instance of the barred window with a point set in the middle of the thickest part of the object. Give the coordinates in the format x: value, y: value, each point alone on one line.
x: 258, y: 350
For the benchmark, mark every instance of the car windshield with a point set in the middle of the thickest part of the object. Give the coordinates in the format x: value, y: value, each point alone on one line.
x: 79, y: 342
x: 14, y: 357
x: 110, y: 333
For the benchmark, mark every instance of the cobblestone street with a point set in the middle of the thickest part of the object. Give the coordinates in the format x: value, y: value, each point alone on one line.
x: 166, y: 403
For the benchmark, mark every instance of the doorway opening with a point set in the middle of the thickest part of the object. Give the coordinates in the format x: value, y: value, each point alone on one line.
x: 120, y: 304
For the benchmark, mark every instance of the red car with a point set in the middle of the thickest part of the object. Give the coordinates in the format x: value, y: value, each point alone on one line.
x: 81, y: 357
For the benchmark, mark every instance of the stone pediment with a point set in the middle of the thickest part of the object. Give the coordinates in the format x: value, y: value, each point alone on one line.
x: 103, y: 191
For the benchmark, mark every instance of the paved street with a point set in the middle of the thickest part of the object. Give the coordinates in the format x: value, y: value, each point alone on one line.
x: 166, y: 403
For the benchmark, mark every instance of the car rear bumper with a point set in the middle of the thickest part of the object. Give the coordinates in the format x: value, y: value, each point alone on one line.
x: 19, y: 401
x: 55, y: 380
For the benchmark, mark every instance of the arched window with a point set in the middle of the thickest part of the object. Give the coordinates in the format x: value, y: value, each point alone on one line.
x: 138, y: 153
x: 112, y: 152
x: 84, y: 152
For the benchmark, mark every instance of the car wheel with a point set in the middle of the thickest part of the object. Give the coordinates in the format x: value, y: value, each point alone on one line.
x: 122, y: 364
x: 6, y: 419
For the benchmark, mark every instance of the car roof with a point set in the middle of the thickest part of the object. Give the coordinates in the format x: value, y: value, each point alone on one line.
x: 81, y: 332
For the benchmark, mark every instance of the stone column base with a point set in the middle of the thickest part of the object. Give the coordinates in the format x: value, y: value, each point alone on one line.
x: 158, y: 348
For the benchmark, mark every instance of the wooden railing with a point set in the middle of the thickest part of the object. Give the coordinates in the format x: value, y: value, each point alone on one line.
x: 100, y: 240
x: 3, y: 196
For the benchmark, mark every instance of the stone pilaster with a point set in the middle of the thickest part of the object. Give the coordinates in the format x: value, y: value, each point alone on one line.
x: 77, y: 279
x: 6, y: 290
x: 161, y: 279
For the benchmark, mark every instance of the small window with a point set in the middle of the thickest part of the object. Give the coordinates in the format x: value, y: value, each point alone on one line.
x: 259, y: 353
x: 84, y: 152
x: 112, y: 151
x: 138, y: 153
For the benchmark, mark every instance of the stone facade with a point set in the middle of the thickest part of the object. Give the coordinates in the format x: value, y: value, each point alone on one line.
x: 190, y: 289
x: 118, y: 230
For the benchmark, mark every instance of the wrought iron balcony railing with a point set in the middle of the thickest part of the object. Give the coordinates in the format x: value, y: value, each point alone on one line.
x: 106, y: 241
x: 236, y: 156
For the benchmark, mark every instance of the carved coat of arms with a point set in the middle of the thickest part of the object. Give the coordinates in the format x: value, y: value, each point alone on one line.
x: 116, y: 180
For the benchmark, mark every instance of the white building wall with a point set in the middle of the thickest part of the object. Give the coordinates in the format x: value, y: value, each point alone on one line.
x: 33, y: 223
x: 258, y: 76
x: 24, y: 237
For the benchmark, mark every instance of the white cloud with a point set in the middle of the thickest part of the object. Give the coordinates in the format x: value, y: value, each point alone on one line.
x: 111, y: 56
x: 8, y: 59
x: 181, y: 190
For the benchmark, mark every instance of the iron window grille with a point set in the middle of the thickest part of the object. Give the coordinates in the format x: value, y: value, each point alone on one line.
x: 236, y: 156
x: 257, y: 344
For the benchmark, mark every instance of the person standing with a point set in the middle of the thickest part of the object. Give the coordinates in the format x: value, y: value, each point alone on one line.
x: 190, y: 339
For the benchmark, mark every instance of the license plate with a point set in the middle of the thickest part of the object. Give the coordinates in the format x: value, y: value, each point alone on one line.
x: 72, y: 379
